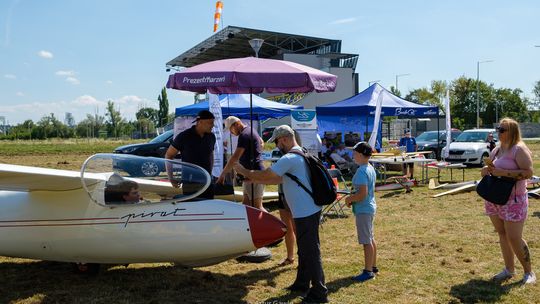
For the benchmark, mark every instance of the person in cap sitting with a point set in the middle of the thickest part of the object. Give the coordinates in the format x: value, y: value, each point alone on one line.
x: 195, y: 145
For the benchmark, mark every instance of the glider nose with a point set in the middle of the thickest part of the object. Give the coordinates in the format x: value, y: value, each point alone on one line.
x: 265, y: 228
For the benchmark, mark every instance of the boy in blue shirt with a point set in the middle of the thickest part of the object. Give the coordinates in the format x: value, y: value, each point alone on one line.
x: 364, y: 207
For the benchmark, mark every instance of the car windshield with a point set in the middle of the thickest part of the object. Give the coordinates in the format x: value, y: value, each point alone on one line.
x: 427, y: 136
x: 162, y: 138
x: 472, y: 137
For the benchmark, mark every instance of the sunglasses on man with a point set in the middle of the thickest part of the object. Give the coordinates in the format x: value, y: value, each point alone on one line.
x: 501, y: 130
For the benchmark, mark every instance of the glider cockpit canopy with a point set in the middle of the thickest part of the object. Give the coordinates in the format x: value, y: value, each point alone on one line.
x: 127, y: 179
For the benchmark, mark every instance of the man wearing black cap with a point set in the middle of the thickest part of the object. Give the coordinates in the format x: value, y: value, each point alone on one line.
x: 196, y: 146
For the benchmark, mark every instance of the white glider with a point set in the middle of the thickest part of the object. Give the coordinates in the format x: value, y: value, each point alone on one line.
x: 61, y: 215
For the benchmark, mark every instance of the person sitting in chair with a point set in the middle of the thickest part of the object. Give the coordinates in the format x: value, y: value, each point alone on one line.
x: 342, y: 151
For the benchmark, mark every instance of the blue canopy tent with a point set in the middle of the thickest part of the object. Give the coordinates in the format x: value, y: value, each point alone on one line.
x: 356, y: 114
x: 238, y: 105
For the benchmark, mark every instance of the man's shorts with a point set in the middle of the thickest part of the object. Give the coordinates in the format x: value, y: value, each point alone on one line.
x: 258, y: 190
x: 515, y: 209
x: 364, y: 227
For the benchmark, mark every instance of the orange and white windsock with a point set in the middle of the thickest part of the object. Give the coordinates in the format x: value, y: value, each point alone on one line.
x: 217, y: 15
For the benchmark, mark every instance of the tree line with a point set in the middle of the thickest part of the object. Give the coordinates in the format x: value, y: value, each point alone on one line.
x: 110, y: 125
x: 495, y: 103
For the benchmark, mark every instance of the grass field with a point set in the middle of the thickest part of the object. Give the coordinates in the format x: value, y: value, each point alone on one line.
x: 430, y: 250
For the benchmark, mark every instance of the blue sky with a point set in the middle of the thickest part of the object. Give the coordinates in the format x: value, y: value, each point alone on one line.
x: 72, y: 56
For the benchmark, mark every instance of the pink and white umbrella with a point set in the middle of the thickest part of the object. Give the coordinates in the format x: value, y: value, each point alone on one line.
x: 252, y: 75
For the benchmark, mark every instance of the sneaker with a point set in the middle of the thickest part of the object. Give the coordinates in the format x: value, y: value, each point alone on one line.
x: 504, y: 275
x: 529, y: 278
x: 375, y: 269
x: 364, y: 276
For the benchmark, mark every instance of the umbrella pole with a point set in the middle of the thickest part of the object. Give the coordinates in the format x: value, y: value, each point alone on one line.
x: 251, y: 152
x: 230, y: 144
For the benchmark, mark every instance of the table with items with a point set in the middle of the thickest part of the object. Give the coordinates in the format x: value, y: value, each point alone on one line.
x: 381, y: 165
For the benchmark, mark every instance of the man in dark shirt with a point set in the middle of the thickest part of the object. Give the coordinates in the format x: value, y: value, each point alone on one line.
x: 248, y: 142
x: 196, y: 146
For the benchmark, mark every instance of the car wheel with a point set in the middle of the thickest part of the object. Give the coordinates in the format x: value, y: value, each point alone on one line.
x: 432, y: 155
x: 149, y: 168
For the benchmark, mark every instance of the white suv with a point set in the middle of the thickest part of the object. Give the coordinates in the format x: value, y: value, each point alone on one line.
x: 471, y: 146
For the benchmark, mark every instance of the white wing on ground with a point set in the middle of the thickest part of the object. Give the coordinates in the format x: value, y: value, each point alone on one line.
x: 468, y: 187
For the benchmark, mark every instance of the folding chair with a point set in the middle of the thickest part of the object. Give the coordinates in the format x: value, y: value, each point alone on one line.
x: 342, y: 168
x: 336, y: 207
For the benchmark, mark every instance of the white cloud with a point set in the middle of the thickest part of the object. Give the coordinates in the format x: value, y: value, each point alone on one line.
x: 109, y: 82
x: 19, y: 94
x: 70, y: 76
x: 87, y: 100
x: 344, y: 20
x: 45, y: 54
x: 65, y: 73
x: 73, y: 80
x: 129, y: 99
x: 35, y: 110
x: 10, y: 76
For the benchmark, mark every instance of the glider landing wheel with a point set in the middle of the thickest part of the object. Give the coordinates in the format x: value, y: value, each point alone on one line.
x: 86, y: 268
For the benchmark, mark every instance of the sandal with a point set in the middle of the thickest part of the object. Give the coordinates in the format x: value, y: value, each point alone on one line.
x: 286, y: 262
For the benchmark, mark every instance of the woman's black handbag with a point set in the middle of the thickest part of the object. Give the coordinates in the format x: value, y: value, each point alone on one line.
x: 495, y: 189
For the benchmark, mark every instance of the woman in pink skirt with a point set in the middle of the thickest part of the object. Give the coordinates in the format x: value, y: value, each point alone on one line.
x: 512, y: 159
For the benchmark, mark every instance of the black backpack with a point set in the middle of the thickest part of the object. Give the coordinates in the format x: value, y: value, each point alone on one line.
x: 324, y: 190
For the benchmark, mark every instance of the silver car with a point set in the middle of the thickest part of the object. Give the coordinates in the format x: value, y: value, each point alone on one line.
x: 471, y: 146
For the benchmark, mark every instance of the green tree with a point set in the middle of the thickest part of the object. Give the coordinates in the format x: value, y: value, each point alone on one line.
x: 114, y: 119
x: 464, y: 100
x: 534, y: 104
x: 510, y: 104
x: 163, y: 111
x: 421, y: 96
x: 23, y: 130
x: 125, y: 129
x: 50, y: 127
x: 149, y: 114
x: 90, y: 126
x: 438, y: 89
x: 432, y: 96
x: 395, y: 91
